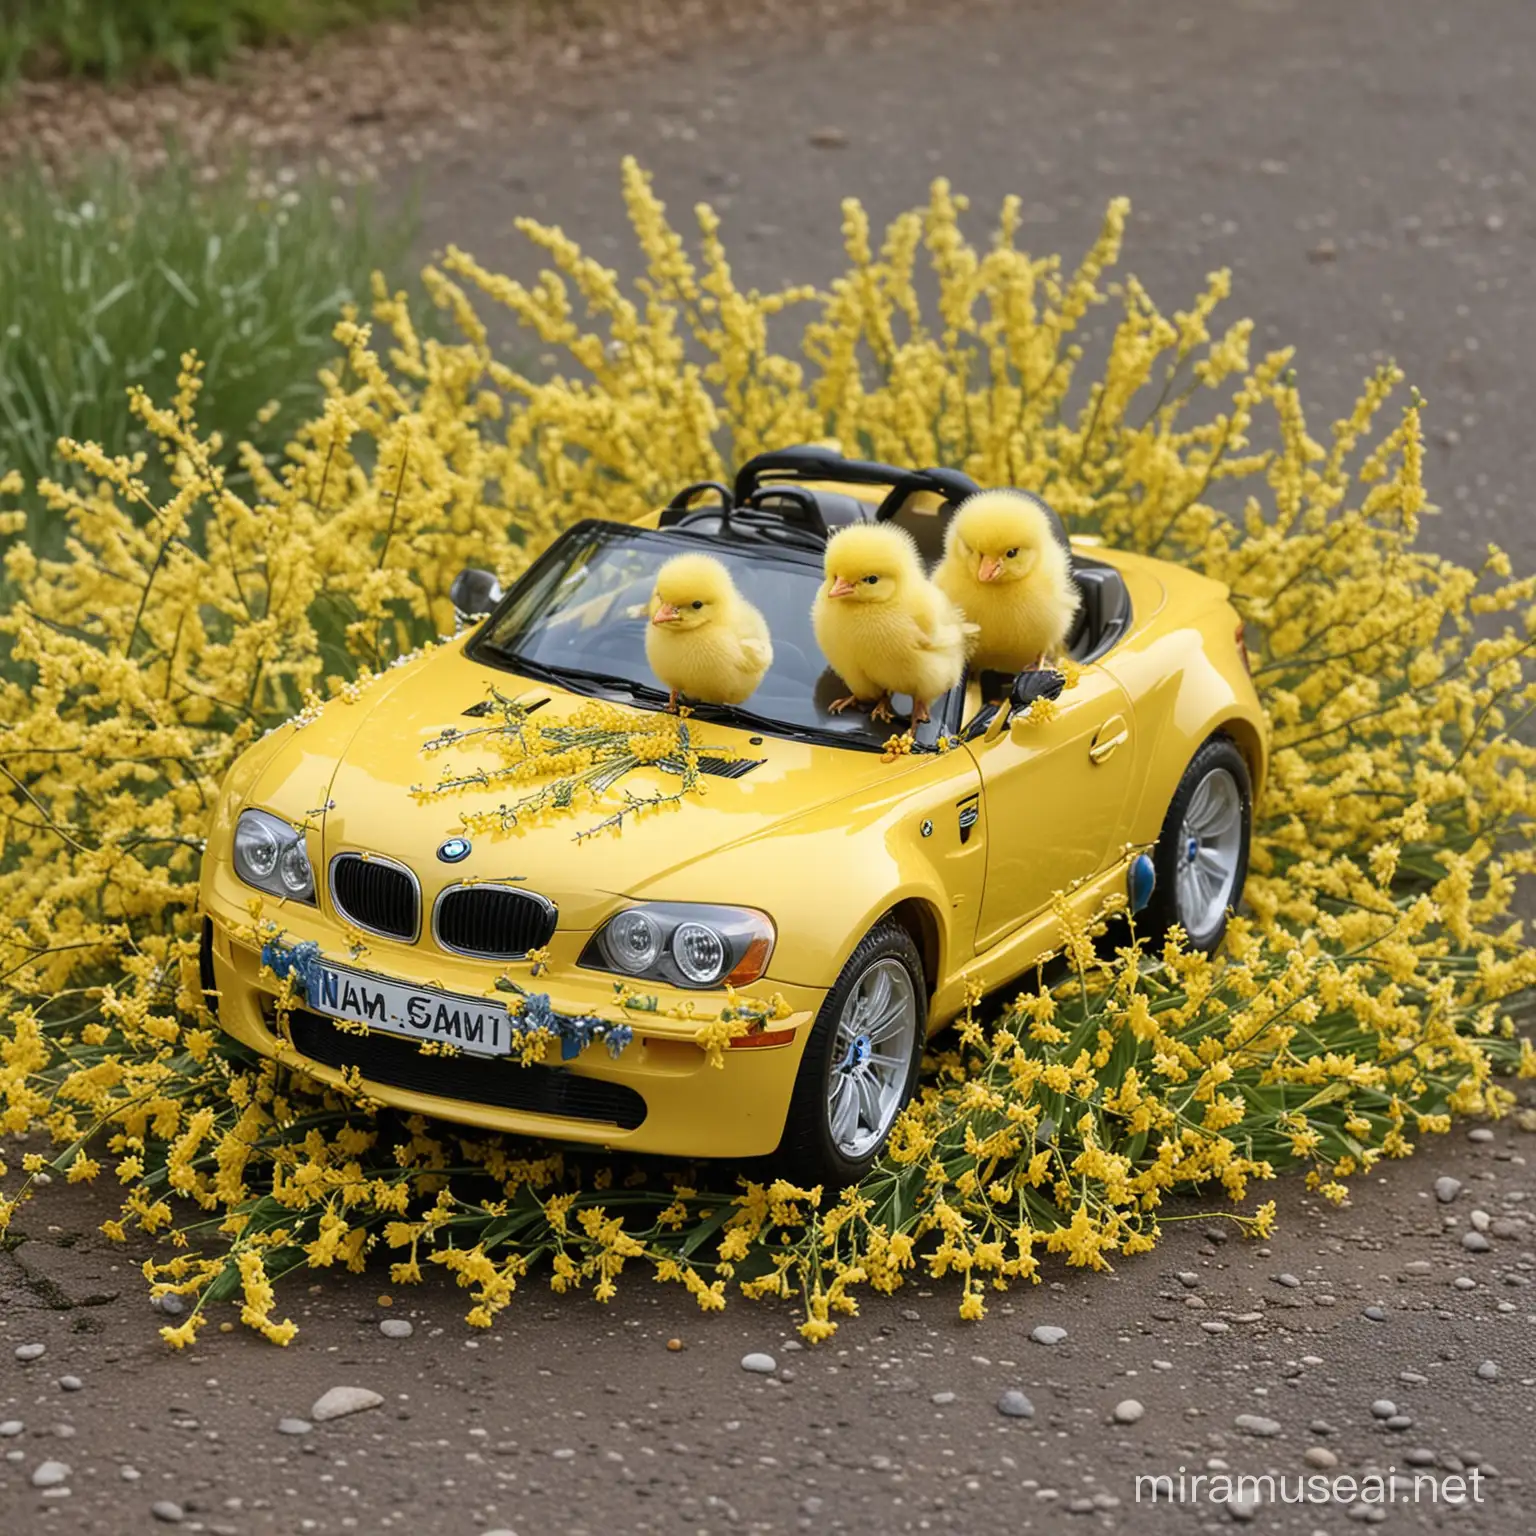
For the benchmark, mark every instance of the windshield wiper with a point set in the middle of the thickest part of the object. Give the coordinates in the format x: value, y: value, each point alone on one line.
x: 645, y: 693
x: 563, y: 676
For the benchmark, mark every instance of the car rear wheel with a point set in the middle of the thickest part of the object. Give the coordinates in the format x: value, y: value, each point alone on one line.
x: 861, y: 1062
x: 1201, y: 858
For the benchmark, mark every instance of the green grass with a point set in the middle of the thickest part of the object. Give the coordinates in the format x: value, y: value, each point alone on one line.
x: 114, y: 39
x: 105, y: 282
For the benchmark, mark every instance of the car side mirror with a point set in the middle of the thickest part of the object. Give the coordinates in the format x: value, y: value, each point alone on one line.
x: 1028, y: 686
x: 474, y: 593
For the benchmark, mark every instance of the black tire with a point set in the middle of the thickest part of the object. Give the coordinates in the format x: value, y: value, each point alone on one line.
x: 807, y: 1151
x: 1219, y: 755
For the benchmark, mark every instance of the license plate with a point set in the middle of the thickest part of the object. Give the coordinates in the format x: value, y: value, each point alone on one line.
x: 473, y: 1024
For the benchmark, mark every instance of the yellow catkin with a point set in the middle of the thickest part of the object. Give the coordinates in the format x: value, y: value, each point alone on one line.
x: 1370, y: 990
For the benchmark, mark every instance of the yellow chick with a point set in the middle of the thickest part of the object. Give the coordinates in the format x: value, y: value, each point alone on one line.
x: 883, y: 625
x: 705, y: 639
x: 1004, y: 567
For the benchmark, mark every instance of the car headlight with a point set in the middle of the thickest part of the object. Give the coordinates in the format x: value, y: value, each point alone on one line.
x: 270, y: 854
x: 687, y: 945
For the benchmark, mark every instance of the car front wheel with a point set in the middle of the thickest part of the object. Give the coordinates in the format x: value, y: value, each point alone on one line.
x: 861, y: 1062
x: 1201, y: 858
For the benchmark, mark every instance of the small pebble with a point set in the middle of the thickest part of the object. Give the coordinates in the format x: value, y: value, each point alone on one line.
x: 1464, y: 1283
x: 11, y: 1428
x: 1420, y: 1456
x: 1289, y: 1281
x: 1400, y: 1421
x: 164, y: 1509
x: 70, y: 1383
x: 1488, y: 1370
x: 1446, y: 1189
x: 1475, y: 1242
x: 1418, y: 1267
x: 942, y: 1399
x: 1376, y: 1314
x: 1242, y: 1509
x: 1188, y: 1279
x: 1215, y: 1325
x: 396, y: 1328
x: 171, y: 1306
x: 759, y: 1364
x: 129, y: 1474
x: 340, y: 1401
x: 1383, y: 1408
x: 1048, y: 1333
x: 1128, y: 1412
x: 1014, y: 1405
x: 1320, y: 1456
x: 294, y: 1426
x: 1253, y: 1424
x: 674, y: 1345
x: 51, y: 1474
x: 1481, y: 1220
x: 1481, y: 1134
x: 30, y: 1351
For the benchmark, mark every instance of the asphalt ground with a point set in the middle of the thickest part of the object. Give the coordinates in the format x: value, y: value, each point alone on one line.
x: 1364, y: 170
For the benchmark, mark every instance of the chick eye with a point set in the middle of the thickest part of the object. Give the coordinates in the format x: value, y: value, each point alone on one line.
x: 872, y: 579
x: 1009, y: 554
x: 698, y: 602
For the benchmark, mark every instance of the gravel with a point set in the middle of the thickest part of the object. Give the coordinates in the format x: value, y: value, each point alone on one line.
x: 1048, y: 1333
x: 396, y: 1328
x: 165, y: 1510
x: 1013, y: 1404
x: 1475, y: 1242
x: 70, y: 1383
x: 942, y: 1399
x: 294, y: 1426
x: 1488, y: 1370
x: 1321, y: 1457
x: 340, y: 1401
x: 51, y: 1474
x: 1129, y: 1412
x: 1383, y: 1408
x: 1289, y: 1281
x: 1446, y: 1189
x: 759, y: 1364
x: 11, y: 1428
x: 25, y: 1352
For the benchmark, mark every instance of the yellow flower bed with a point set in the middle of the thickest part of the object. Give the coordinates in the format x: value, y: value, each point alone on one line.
x: 1371, y: 991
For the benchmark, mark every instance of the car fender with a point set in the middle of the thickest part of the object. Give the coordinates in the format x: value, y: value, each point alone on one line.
x: 829, y: 876
x: 1186, y: 683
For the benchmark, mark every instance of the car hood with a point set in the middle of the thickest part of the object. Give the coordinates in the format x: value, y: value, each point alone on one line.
x: 378, y: 759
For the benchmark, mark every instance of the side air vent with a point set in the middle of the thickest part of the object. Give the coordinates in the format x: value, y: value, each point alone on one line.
x: 720, y: 767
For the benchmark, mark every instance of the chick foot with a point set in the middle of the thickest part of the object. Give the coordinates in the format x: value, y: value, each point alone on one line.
x: 882, y: 709
x: 920, y: 715
x: 837, y: 706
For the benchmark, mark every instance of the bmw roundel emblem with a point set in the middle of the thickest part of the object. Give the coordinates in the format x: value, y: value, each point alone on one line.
x: 455, y: 849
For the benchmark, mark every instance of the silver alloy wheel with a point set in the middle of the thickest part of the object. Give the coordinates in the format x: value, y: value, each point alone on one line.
x: 871, y: 1058
x: 1210, y: 846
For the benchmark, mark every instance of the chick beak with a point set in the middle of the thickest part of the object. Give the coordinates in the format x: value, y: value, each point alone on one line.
x: 666, y: 613
x: 989, y: 569
x: 841, y: 587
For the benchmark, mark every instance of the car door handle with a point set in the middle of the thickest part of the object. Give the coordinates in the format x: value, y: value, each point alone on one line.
x: 1112, y: 734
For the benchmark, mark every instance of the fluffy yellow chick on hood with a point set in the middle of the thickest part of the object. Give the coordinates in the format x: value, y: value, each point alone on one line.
x: 705, y: 640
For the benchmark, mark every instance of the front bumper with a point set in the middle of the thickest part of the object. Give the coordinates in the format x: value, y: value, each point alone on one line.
x: 660, y: 1095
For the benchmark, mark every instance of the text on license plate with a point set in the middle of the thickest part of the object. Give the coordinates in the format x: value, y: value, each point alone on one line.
x: 420, y: 1013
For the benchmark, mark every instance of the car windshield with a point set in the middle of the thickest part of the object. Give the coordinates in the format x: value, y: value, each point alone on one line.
x: 578, y: 618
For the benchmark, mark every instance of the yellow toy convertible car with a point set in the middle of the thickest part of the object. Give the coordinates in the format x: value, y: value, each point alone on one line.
x: 868, y: 894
